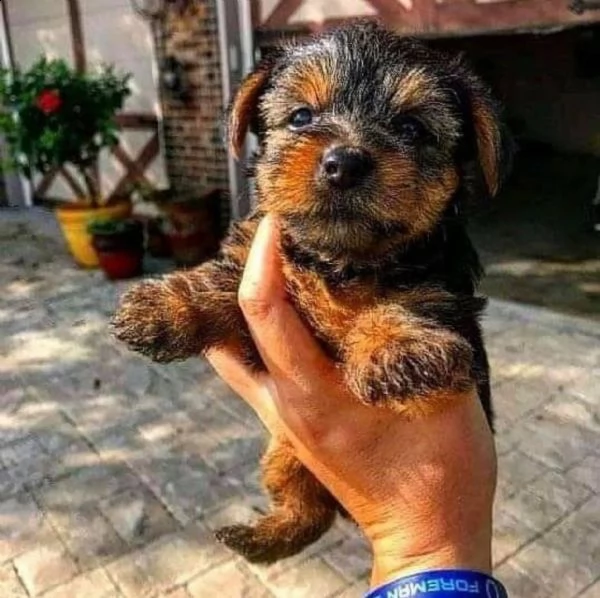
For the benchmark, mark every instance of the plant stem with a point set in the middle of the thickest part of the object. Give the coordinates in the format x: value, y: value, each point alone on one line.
x: 91, y: 182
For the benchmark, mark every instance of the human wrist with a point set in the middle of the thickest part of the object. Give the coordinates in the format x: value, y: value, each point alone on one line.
x: 392, y: 559
x: 443, y: 582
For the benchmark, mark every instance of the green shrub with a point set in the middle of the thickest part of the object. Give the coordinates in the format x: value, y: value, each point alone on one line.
x: 54, y: 115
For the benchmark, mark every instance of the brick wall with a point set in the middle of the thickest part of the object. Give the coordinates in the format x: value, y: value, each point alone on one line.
x: 196, y: 158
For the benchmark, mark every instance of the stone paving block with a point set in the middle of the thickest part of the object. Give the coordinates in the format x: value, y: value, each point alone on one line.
x: 10, y: 585
x: 163, y: 565
x: 587, y: 472
x: 86, y: 485
x: 519, y: 584
x: 187, y: 486
x: 520, y: 396
x: 510, y: 534
x: 563, y: 562
x: 268, y: 573
x: 505, y: 362
x: 24, y: 449
x: 94, y: 584
x: 72, y: 459
x: 585, y: 385
x: 45, y: 567
x: 571, y: 410
x: 309, y: 579
x: 226, y: 448
x: 47, y: 466
x: 577, y: 538
x: 23, y: 527
x: 120, y: 443
x: 515, y: 471
x: 545, y: 500
x: 554, y: 443
x: 356, y: 590
x: 55, y: 433
x: 131, y: 578
x: 230, y: 579
x: 504, y: 444
x: 541, y: 344
x: 551, y: 571
x: 243, y: 510
x: 592, y: 592
x: 352, y: 558
x: 137, y: 516
x: 9, y: 484
x: 88, y: 536
x: 99, y: 413
x: 12, y: 428
x: 12, y: 392
x: 167, y: 430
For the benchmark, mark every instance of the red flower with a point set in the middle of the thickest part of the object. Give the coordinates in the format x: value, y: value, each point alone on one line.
x: 49, y: 101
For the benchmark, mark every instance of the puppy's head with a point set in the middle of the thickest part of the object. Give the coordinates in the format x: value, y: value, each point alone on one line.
x: 366, y: 138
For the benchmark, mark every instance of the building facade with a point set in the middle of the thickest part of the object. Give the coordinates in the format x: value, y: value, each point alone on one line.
x: 533, y: 51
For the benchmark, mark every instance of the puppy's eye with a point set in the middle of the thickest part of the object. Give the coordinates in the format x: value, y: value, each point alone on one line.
x: 301, y: 118
x: 408, y: 127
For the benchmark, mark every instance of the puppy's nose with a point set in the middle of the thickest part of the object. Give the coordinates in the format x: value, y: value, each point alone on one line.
x: 346, y: 167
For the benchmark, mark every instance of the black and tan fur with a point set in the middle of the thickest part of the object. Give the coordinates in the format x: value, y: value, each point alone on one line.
x: 383, y: 272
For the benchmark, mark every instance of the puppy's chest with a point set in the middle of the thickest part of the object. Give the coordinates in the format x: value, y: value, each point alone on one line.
x: 329, y: 311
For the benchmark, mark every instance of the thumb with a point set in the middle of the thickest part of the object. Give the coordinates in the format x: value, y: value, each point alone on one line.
x: 286, y: 346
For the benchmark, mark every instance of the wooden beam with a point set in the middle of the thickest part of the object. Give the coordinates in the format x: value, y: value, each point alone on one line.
x: 73, y: 183
x: 77, y: 37
x: 10, y: 50
x: 137, y: 120
x: 46, y: 182
x: 281, y: 13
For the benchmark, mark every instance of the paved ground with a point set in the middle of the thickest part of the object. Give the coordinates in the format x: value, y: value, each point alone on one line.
x: 113, y: 470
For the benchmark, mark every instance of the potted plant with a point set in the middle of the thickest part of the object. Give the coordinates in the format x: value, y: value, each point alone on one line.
x: 149, y: 209
x: 119, y: 245
x: 194, y: 228
x: 55, y: 116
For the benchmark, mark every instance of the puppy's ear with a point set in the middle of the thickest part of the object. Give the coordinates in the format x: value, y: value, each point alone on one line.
x: 243, y: 111
x: 490, y: 143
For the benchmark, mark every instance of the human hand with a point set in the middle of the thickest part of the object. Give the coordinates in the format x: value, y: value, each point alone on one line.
x: 421, y: 491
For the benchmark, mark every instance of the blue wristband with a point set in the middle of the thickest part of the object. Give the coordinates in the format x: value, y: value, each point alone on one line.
x: 445, y: 583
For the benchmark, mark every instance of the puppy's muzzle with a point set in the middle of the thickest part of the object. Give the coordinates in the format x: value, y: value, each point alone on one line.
x: 345, y: 167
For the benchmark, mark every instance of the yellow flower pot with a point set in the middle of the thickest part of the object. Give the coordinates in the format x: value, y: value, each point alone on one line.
x: 74, y: 219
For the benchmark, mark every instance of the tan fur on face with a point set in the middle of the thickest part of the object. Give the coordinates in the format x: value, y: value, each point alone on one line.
x: 410, y: 200
x: 314, y: 85
x: 288, y: 187
x: 414, y: 89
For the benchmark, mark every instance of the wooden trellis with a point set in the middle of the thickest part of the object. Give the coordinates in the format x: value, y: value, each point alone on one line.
x: 134, y: 167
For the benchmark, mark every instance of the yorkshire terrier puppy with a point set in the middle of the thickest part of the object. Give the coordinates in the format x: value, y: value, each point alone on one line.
x: 371, y: 146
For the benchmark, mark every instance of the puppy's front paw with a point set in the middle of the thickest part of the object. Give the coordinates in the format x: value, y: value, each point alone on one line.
x: 151, y: 321
x: 412, y: 368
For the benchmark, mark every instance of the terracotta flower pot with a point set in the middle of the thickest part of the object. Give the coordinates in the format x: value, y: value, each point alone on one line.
x: 194, y: 229
x: 74, y: 220
x: 120, y: 248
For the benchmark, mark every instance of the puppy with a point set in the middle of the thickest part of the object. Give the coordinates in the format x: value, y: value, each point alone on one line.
x: 371, y: 146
